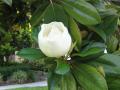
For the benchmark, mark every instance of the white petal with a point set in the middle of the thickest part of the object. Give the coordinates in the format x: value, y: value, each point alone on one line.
x: 54, y: 39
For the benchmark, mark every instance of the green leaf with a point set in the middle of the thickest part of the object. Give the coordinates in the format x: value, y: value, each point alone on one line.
x: 61, y: 82
x: 62, y: 67
x: 112, y: 43
x: 99, y: 31
x: 34, y: 33
x: 38, y: 14
x: 68, y: 82
x: 75, y: 32
x: 111, y: 64
x: 53, y: 81
x: 113, y: 82
x: 91, y: 51
x: 52, y: 13
x: 9, y: 2
x: 81, y: 11
x: 88, y: 77
x: 109, y: 24
x: 31, y: 54
x: 110, y: 58
x: 99, y: 4
x: 96, y: 44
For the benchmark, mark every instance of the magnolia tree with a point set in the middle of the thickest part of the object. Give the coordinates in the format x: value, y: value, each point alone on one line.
x: 72, y: 36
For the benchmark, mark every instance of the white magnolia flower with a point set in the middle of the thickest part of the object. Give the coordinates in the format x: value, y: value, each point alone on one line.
x: 54, y: 39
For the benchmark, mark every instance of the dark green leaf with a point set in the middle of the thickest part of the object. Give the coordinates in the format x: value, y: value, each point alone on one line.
x: 61, y: 82
x: 52, y: 13
x: 99, y: 4
x: 75, y: 32
x: 99, y: 31
x: 53, y: 81
x: 112, y: 43
x: 88, y: 77
x: 109, y: 24
x: 68, y: 82
x: 31, y: 54
x: 62, y: 67
x: 81, y: 11
x: 110, y: 62
x: 113, y: 82
x: 35, y: 32
x: 96, y: 44
x: 91, y: 51
x: 113, y: 59
x: 38, y: 14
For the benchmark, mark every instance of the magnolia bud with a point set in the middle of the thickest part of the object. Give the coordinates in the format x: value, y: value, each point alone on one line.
x: 54, y: 39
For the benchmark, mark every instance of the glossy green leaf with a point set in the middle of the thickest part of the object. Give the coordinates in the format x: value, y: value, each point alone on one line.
x: 37, y: 16
x: 110, y: 58
x: 75, y: 32
x: 31, y: 54
x: 52, y: 13
x: 62, y: 67
x: 61, y: 82
x: 53, y: 81
x: 9, y: 2
x: 89, y: 52
x: 109, y: 24
x: 68, y: 82
x: 110, y: 62
x: 112, y: 43
x: 99, y: 4
x: 96, y: 44
x: 99, y: 31
x: 81, y: 11
x: 88, y: 77
x: 34, y: 33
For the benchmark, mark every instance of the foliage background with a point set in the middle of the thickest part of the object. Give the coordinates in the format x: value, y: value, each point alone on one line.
x: 93, y: 25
